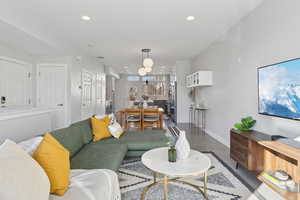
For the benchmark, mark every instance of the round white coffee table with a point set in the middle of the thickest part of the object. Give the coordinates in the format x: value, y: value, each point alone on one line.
x: 196, y: 164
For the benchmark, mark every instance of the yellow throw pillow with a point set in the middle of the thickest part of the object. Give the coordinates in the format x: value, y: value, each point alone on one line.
x: 100, y: 128
x: 54, y: 159
x: 107, y: 120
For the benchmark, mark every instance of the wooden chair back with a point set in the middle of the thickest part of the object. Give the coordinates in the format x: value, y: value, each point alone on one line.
x: 151, y: 112
x: 136, y: 114
x: 133, y: 112
x: 154, y: 115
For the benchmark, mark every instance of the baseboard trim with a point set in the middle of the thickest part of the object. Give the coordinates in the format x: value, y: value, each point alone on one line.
x: 217, y: 137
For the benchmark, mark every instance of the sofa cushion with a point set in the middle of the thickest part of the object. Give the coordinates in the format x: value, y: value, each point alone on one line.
x: 140, y: 140
x: 100, y: 128
x: 86, y: 130
x: 22, y: 178
x: 99, y: 156
x: 71, y: 138
x: 55, y: 160
x: 92, y: 185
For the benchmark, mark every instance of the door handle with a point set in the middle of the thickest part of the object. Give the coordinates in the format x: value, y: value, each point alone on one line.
x: 60, y: 104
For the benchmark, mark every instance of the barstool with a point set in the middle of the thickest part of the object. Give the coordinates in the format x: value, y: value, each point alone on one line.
x: 191, y: 116
x: 201, y: 111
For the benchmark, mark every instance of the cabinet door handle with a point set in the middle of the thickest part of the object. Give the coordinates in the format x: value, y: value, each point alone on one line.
x: 60, y: 104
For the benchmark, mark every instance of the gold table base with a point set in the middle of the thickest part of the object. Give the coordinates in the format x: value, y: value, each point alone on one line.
x: 166, y: 180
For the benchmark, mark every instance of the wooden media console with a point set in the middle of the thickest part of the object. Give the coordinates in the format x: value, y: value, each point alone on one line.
x: 256, y: 152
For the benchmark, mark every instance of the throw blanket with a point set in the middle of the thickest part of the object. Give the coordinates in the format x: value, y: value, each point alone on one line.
x: 98, y: 184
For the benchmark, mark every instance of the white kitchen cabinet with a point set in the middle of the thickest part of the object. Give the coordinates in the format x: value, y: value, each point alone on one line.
x: 200, y: 78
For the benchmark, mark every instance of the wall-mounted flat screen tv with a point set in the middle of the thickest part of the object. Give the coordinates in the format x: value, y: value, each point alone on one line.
x: 279, y: 89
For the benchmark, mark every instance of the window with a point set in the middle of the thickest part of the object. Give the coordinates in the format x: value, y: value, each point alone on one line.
x: 133, y: 78
x: 149, y: 78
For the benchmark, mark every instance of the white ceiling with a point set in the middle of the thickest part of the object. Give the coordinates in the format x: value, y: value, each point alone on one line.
x: 119, y: 29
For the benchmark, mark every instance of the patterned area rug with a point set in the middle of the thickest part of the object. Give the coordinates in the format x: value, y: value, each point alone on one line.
x: 223, y: 183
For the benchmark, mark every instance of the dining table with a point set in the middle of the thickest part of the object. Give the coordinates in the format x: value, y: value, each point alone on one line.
x: 122, y: 115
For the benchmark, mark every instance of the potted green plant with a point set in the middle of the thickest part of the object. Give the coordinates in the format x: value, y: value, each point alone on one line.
x: 246, y: 124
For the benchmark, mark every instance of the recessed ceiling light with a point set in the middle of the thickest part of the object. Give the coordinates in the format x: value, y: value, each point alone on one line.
x: 85, y: 18
x: 190, y: 18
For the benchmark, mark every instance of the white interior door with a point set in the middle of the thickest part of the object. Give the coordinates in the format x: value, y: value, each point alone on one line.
x: 87, y: 104
x: 15, y: 82
x: 51, y: 90
x: 100, y: 93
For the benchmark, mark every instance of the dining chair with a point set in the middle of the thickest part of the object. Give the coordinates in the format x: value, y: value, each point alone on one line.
x: 133, y: 116
x: 151, y: 118
x: 119, y: 117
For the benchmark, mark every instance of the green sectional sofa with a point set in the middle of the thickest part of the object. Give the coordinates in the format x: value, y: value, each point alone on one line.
x: 107, y: 153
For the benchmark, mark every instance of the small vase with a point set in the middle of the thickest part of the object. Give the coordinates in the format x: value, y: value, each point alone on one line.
x: 182, y: 147
x: 172, y: 154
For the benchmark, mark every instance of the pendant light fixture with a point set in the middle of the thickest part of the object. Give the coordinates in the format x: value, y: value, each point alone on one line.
x: 148, y: 69
x: 147, y: 63
x: 142, y: 71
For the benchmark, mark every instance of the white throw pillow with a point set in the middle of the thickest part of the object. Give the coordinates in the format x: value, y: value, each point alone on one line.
x: 22, y: 178
x: 115, y: 130
x: 112, y: 118
x: 31, y: 145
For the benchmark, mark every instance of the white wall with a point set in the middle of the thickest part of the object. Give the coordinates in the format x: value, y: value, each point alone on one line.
x: 183, y: 100
x: 268, y: 35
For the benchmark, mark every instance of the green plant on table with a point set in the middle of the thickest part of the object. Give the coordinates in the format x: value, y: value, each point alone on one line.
x: 246, y: 124
x: 171, y: 152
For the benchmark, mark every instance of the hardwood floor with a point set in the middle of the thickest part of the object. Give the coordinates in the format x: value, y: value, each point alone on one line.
x: 204, y: 142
